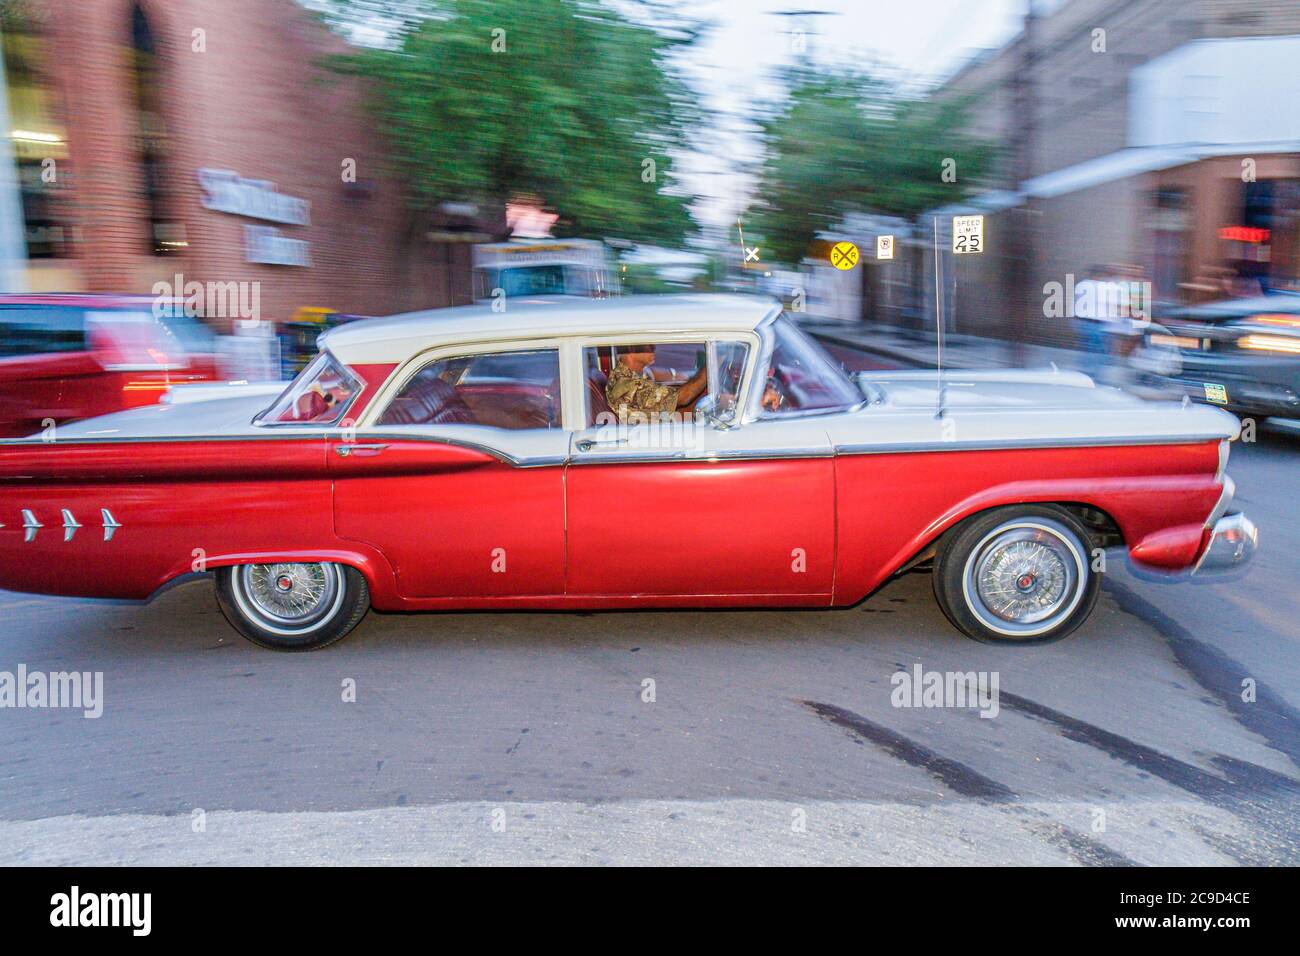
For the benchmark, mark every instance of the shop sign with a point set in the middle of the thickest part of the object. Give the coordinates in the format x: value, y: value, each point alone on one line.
x: 227, y: 191
x: 267, y: 246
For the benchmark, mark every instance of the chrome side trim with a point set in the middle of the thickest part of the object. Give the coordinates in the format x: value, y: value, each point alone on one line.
x: 70, y: 525
x: 110, y: 523
x: 332, y: 435
x: 1012, y: 444
x: 165, y: 439
x: 1008, y: 444
x: 540, y: 461
x: 1225, y: 499
x: 600, y: 458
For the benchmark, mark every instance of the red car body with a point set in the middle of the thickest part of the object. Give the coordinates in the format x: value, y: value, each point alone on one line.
x: 175, y: 499
x: 68, y: 357
x: 802, y: 508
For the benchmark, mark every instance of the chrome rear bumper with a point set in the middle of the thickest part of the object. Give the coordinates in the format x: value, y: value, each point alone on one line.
x: 1233, y: 541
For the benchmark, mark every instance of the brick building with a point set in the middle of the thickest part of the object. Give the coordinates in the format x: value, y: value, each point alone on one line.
x: 204, y: 138
x: 1146, y: 112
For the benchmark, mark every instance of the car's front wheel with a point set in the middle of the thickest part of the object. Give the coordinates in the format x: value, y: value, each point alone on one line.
x: 292, y: 607
x: 1018, y: 575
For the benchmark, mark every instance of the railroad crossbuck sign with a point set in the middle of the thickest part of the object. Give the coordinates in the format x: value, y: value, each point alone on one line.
x: 844, y: 256
x: 884, y: 247
x: 967, y: 234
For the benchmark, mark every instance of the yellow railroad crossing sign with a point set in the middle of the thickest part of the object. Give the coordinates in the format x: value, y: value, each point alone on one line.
x: 844, y: 256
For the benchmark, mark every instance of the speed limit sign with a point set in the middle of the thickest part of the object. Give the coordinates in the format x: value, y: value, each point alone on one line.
x: 967, y: 234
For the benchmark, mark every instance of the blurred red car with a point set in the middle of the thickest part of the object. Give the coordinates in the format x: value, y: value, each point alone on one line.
x: 68, y: 357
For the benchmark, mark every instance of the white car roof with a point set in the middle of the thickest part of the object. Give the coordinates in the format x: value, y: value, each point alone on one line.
x: 397, y: 337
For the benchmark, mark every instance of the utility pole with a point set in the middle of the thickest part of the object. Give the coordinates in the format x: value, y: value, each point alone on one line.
x: 1020, y: 262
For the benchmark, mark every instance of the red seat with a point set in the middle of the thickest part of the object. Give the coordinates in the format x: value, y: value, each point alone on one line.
x: 430, y: 401
x: 596, y: 382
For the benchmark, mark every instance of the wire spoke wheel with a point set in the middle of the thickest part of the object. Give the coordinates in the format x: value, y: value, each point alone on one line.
x: 1025, y: 577
x: 289, y: 598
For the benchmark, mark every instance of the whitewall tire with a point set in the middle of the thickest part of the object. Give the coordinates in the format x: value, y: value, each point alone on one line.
x: 292, y: 607
x: 1017, y: 575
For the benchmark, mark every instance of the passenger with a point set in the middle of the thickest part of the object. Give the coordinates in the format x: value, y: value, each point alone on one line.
x: 634, y: 396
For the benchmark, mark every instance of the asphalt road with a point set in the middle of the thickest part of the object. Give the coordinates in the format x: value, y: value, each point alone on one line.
x: 521, y: 737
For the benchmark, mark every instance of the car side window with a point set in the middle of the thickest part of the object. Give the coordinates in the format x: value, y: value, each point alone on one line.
x: 650, y: 382
x: 41, y: 330
x: 802, y: 378
x: 512, y: 390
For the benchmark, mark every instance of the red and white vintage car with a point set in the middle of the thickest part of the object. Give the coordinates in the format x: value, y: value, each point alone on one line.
x: 467, y: 458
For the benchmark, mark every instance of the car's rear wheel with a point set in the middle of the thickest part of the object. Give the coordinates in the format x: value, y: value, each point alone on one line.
x: 292, y: 607
x: 1019, y: 575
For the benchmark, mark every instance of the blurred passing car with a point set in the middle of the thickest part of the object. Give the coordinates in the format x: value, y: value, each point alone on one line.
x: 1243, y: 354
x: 544, y: 267
x: 68, y: 357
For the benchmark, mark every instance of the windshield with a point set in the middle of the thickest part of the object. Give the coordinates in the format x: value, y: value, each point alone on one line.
x: 803, y: 378
x: 319, y: 395
x: 524, y: 281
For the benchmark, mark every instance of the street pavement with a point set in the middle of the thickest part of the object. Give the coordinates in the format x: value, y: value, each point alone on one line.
x: 770, y: 736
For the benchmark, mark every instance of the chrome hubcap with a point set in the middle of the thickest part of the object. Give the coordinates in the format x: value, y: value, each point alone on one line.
x: 1025, y: 577
x: 290, y: 597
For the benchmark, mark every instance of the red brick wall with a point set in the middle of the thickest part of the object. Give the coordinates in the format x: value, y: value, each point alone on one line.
x: 256, y: 102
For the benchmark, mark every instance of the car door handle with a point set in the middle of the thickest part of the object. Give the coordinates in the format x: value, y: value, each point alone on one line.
x: 363, y: 451
x: 587, y: 444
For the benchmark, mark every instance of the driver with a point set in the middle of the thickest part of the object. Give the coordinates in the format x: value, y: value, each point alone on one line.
x: 632, y: 393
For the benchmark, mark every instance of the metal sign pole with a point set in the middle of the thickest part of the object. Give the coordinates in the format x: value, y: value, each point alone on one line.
x: 938, y: 324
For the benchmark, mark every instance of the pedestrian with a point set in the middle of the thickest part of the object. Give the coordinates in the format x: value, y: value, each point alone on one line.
x: 1096, y: 306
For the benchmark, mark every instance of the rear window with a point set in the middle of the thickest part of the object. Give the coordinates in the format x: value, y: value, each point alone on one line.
x: 41, y: 329
x: 320, y: 395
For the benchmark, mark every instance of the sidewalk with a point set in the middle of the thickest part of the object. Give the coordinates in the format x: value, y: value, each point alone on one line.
x: 917, y: 350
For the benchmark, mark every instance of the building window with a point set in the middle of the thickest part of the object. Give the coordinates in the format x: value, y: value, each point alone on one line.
x: 166, y: 235
x: 1264, y: 249
x: 39, y: 140
x: 1172, y: 244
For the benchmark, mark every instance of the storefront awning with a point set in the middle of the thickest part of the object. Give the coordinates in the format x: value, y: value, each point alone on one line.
x: 1112, y: 167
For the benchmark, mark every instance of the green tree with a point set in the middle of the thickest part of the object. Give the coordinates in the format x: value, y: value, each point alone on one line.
x: 564, y: 102
x: 845, y: 142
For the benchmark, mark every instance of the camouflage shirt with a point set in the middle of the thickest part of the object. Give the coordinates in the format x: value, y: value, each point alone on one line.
x: 633, y: 396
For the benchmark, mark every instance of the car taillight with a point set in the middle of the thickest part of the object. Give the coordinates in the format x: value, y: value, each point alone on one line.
x: 139, y: 392
x: 146, y: 386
